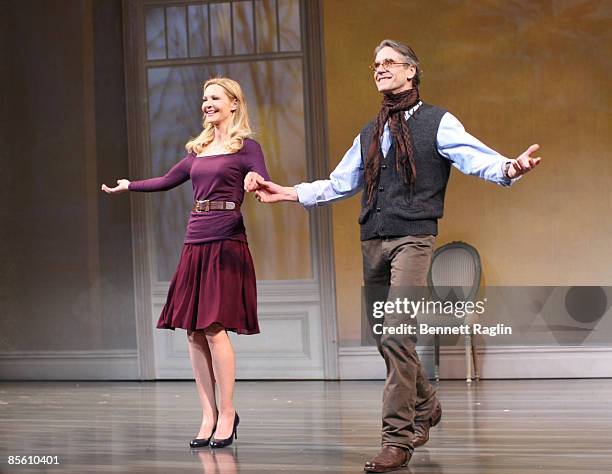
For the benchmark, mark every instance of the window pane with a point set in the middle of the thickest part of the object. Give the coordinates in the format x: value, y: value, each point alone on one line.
x: 155, y: 33
x: 243, y: 28
x: 177, y: 32
x: 221, y: 29
x: 198, y: 31
x: 289, y: 19
x: 266, y: 26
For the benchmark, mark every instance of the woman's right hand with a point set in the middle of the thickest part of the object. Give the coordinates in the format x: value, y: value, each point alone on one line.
x: 122, y: 186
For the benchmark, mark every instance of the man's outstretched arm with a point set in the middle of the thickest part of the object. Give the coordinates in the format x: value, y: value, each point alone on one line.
x: 471, y: 156
x: 268, y: 191
x: 345, y: 181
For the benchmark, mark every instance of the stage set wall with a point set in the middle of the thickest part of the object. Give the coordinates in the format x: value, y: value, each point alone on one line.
x: 514, y: 73
x: 67, y: 280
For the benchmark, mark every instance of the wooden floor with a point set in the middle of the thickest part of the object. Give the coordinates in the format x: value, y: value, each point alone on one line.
x: 555, y: 426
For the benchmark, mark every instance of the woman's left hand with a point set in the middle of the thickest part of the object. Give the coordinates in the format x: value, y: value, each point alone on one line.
x: 250, y: 181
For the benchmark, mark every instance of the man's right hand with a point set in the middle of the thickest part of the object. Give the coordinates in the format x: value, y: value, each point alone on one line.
x: 269, y: 192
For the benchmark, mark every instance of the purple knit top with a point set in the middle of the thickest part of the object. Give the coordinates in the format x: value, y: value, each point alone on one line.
x: 217, y: 178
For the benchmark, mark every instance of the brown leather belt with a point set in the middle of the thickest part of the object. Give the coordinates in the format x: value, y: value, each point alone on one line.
x: 206, y: 205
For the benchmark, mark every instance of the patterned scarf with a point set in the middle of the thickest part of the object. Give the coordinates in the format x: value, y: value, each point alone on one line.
x: 392, y: 110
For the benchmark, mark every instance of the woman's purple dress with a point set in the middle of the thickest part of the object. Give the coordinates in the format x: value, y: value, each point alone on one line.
x: 215, y: 279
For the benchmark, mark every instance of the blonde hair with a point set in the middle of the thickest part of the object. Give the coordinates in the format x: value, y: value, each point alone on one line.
x: 239, y: 127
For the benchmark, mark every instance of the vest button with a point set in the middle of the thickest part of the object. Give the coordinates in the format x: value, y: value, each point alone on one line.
x: 384, y: 167
x: 378, y: 209
x: 381, y: 188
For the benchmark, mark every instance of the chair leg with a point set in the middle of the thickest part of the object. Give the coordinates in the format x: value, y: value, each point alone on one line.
x: 475, y: 359
x: 437, y: 357
x: 468, y: 358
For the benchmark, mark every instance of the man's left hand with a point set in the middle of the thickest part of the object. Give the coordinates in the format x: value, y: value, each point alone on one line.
x: 524, y: 162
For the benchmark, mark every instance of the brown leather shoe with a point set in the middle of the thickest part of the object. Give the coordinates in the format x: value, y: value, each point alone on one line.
x: 421, y: 428
x: 389, y: 458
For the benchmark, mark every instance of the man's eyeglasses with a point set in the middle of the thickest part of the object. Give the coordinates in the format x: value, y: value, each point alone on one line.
x: 386, y: 64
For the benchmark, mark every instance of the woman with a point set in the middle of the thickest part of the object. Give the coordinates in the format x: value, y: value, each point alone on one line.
x: 213, y: 289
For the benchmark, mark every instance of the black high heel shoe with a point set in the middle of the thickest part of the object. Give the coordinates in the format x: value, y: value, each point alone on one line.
x: 202, y: 442
x: 222, y: 443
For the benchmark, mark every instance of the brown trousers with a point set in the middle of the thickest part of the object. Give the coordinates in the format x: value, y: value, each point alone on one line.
x: 401, y: 264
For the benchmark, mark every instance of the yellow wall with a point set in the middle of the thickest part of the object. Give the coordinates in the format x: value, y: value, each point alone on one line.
x: 514, y: 74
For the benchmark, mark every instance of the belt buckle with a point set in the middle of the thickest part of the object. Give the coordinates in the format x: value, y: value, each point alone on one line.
x: 205, y: 208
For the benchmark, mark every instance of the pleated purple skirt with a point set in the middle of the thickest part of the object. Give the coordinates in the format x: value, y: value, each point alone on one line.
x: 214, y: 282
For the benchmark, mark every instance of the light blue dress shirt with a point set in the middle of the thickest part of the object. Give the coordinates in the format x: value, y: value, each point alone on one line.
x: 466, y: 153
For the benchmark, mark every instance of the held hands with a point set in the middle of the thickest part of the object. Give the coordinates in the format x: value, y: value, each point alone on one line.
x: 122, y: 187
x: 524, y: 162
x: 267, y: 191
x: 250, y: 181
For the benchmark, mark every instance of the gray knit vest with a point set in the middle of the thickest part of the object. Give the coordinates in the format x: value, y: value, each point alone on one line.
x: 395, y: 211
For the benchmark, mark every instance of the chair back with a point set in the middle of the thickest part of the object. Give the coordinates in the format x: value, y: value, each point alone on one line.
x: 454, y: 273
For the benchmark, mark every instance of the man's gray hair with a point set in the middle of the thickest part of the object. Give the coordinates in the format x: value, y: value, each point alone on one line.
x: 407, y: 52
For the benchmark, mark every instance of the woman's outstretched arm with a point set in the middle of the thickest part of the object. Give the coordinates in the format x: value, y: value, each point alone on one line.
x: 178, y: 174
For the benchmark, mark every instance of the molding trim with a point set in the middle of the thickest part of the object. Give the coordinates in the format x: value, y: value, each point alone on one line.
x: 136, y: 111
x: 268, y: 291
x: 266, y: 373
x: 511, y: 362
x: 69, y: 365
x: 274, y: 354
x: 322, y: 239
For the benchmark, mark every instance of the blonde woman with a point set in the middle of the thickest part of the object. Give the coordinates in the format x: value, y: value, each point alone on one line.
x: 213, y: 290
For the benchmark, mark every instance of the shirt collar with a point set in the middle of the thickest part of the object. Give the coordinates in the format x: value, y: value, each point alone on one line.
x: 414, y: 108
x: 407, y: 114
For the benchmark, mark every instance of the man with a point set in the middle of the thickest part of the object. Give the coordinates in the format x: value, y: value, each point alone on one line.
x: 401, y: 160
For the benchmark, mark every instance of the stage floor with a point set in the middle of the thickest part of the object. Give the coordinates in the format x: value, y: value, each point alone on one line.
x: 560, y: 426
